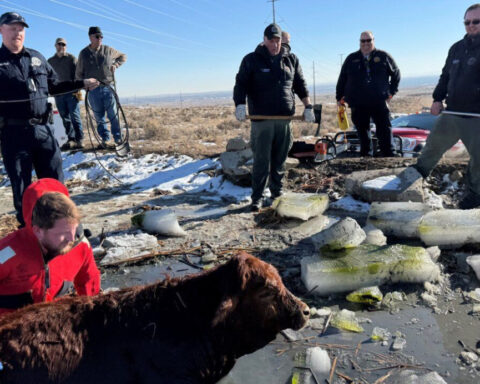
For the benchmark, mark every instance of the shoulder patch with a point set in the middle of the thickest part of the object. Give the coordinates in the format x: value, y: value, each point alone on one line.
x: 6, y: 254
x: 36, y: 62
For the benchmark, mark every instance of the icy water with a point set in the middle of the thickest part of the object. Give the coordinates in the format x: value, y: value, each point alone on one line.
x: 431, y: 339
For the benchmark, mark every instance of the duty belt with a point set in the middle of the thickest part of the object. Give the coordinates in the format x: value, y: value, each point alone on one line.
x: 32, y: 121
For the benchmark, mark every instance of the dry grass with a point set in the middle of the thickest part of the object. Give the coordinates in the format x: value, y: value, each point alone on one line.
x: 204, y: 131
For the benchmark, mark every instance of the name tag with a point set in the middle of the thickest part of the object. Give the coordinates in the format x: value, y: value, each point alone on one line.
x: 456, y: 61
x: 265, y: 70
x: 6, y: 254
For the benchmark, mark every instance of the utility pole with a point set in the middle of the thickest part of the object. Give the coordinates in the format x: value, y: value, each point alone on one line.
x: 314, y: 83
x: 181, y: 100
x: 273, y: 8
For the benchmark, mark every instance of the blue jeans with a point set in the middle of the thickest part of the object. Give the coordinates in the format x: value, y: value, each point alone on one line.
x: 102, y: 101
x: 69, y: 111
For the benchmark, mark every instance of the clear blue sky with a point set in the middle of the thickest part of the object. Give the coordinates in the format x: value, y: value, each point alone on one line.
x: 196, y: 45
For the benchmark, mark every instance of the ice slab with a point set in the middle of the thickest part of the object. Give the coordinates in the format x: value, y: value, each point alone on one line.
x: 365, y: 266
x: 162, y: 222
x: 345, y: 233
x: 398, y: 219
x: 450, y: 228
x: 301, y: 205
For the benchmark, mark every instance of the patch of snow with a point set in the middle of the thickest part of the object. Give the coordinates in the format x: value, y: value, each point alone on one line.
x: 348, y: 203
x: 388, y: 183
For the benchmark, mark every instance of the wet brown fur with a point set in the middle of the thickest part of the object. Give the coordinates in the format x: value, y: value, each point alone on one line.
x: 186, y: 330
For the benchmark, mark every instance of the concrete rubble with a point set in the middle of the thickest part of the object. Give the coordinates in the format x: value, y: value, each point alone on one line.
x: 400, y: 184
x: 237, y: 161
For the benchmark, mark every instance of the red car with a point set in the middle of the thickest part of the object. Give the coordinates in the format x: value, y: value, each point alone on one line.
x: 413, y: 130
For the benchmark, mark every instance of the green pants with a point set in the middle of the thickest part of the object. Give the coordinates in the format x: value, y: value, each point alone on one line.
x: 271, y: 140
x: 448, y: 129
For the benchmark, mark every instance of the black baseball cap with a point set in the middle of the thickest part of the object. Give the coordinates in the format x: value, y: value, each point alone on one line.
x: 273, y: 30
x: 94, y: 31
x: 12, y: 18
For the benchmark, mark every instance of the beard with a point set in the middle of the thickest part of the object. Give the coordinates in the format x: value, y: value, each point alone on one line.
x: 57, y: 250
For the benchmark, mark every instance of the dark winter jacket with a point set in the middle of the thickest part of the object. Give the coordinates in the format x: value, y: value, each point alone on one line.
x: 459, y: 83
x: 27, y: 76
x: 270, y: 85
x: 369, y: 82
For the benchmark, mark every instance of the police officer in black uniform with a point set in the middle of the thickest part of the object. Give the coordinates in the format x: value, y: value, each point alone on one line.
x: 27, y: 139
x: 368, y: 80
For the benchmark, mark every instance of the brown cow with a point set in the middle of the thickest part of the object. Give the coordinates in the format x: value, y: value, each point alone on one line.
x: 188, y: 330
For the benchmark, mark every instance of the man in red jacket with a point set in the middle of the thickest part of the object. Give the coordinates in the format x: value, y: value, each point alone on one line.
x: 46, y: 259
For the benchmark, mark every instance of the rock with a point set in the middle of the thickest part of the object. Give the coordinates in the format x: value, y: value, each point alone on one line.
x: 235, y: 166
x: 367, y: 265
x: 291, y: 163
x: 456, y: 176
x: 236, y: 144
x: 292, y: 335
x: 374, y: 235
x: 468, y: 358
x: 341, y: 235
x: 401, y: 184
x: 474, y: 263
x: 398, y: 219
x: 300, y: 205
x: 450, y: 228
x: 398, y: 344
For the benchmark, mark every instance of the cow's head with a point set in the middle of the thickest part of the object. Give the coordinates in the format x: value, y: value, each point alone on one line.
x: 259, y: 306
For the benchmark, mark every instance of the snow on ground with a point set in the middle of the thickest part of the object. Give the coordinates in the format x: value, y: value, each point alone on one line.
x: 348, y: 203
x: 169, y: 173
x: 391, y: 183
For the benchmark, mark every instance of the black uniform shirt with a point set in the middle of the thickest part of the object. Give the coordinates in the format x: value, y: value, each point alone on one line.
x: 28, y: 76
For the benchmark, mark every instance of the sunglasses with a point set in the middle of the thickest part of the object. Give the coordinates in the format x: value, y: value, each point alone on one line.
x: 62, y: 44
x: 365, y: 40
x: 474, y: 22
x: 98, y: 36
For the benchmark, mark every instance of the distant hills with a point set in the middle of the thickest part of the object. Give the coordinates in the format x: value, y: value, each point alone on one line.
x: 225, y: 97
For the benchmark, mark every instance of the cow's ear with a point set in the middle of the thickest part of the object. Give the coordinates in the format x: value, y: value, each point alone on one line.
x: 225, y: 308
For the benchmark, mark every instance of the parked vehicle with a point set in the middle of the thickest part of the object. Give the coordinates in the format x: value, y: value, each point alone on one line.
x: 58, y: 128
x: 414, y: 129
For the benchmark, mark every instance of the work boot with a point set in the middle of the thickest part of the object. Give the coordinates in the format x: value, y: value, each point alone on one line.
x: 68, y: 145
x: 470, y: 200
x: 102, y: 145
x: 79, y: 144
x: 256, y: 205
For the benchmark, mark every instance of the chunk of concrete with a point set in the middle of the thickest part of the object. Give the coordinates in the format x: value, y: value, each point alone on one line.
x: 450, y: 228
x: 235, y: 165
x: 374, y: 235
x: 365, y: 266
x: 398, y: 219
x: 402, y: 184
x: 343, y: 234
x: 237, y: 144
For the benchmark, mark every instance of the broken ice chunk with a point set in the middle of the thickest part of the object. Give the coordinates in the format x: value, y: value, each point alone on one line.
x: 301, y: 205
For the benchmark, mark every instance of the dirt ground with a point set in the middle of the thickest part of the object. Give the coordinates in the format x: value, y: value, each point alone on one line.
x: 217, y: 229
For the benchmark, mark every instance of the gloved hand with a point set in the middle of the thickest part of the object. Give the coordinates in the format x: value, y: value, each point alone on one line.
x: 241, y: 112
x: 308, y: 115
